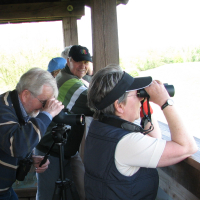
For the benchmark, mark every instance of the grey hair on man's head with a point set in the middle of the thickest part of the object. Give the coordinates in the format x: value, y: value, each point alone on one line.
x: 34, y: 79
x: 65, y: 52
x: 102, y: 83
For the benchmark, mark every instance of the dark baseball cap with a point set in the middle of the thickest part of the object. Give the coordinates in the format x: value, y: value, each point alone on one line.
x: 80, y: 53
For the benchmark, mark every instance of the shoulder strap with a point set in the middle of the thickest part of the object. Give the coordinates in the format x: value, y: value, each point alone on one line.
x: 16, y: 105
x: 120, y: 123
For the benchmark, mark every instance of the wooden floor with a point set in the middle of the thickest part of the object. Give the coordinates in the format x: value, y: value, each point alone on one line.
x: 26, y: 193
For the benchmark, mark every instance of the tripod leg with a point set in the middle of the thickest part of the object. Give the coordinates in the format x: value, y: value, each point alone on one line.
x: 63, y: 191
x: 62, y: 185
x: 57, y: 191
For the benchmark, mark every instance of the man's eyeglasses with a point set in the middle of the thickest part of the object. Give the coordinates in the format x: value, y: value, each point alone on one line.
x: 132, y: 95
x: 41, y: 101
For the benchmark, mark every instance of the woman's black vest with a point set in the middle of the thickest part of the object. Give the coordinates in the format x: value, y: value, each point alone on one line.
x: 102, y: 179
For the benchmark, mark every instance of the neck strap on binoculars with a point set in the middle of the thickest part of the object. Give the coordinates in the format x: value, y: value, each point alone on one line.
x: 147, y: 116
x: 120, y: 123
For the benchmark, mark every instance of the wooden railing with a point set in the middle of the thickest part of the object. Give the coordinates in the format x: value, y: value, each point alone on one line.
x: 181, y: 181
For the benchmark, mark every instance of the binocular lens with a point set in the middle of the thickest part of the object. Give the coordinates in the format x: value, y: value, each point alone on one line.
x: 71, y: 119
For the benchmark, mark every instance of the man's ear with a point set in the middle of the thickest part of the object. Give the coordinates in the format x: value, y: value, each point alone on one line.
x: 25, y: 96
x: 119, y: 107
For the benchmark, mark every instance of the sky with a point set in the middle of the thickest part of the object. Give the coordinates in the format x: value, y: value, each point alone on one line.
x: 158, y: 23
x: 142, y: 24
x: 145, y: 24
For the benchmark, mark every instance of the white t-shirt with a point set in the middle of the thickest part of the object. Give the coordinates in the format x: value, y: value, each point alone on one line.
x: 136, y: 150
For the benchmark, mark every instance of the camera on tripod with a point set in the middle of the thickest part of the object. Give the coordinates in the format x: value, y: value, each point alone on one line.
x: 61, y: 131
x: 170, y: 89
x: 69, y: 119
x: 64, y: 121
x: 61, y: 137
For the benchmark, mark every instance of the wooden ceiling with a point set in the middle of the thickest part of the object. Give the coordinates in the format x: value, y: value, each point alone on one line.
x: 17, y: 11
x: 86, y: 2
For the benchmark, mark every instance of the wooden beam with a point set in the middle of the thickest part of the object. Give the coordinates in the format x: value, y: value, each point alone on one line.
x: 104, y: 33
x: 88, y: 2
x: 70, y: 32
x: 45, y: 11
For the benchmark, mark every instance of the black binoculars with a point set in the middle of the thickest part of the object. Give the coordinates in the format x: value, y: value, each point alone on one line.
x: 170, y: 89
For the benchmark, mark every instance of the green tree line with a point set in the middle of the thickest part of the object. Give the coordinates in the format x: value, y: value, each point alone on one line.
x: 154, y: 58
x: 13, y: 65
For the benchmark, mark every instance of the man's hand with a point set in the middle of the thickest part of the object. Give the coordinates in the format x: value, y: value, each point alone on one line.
x: 53, y: 107
x: 36, y: 162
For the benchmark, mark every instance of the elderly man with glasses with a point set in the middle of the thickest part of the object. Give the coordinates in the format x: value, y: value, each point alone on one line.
x: 26, y: 112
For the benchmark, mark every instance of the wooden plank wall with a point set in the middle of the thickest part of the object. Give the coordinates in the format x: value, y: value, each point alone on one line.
x: 176, y: 189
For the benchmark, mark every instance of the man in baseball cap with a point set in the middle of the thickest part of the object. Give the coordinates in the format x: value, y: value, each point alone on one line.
x: 79, y: 53
x: 80, y: 61
x: 72, y: 83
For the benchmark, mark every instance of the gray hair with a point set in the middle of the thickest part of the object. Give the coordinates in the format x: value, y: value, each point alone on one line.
x: 34, y: 79
x: 101, y: 84
x: 70, y: 59
x: 65, y: 52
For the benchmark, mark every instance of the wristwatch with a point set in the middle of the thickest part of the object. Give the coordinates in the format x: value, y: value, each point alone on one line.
x: 169, y: 102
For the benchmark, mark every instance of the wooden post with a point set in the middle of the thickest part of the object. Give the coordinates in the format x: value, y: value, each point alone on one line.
x: 104, y: 33
x: 70, y: 32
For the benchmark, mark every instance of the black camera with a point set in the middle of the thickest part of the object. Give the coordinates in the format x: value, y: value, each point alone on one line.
x: 170, y: 89
x: 70, y: 119
x: 24, y: 167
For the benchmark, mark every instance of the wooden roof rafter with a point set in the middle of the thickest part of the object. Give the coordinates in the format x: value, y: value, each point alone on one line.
x: 42, y: 11
x: 86, y: 2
